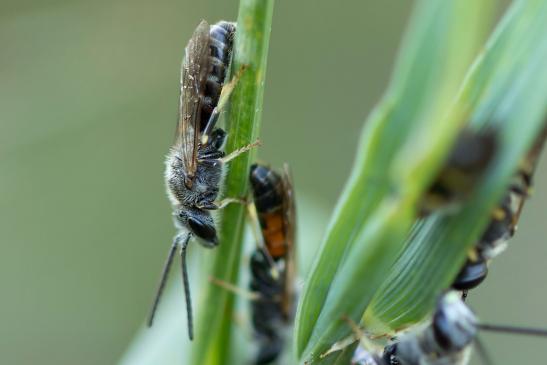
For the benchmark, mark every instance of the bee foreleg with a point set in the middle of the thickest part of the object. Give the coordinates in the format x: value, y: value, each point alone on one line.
x: 240, y: 151
x: 224, y: 202
x: 211, y: 158
x: 207, y: 206
x: 250, y: 295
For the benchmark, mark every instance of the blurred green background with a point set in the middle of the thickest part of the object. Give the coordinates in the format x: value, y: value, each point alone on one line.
x: 88, y: 103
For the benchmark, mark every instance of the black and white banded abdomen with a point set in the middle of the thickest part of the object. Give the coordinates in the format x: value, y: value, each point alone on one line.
x: 221, y: 43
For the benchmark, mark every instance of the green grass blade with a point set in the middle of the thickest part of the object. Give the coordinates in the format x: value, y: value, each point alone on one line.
x: 377, y: 206
x: 213, y: 336
x: 506, y: 90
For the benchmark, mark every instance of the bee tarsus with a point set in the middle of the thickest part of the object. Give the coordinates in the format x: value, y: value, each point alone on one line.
x: 240, y: 151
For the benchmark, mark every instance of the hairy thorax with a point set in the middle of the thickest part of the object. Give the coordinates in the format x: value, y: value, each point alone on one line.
x: 205, y: 186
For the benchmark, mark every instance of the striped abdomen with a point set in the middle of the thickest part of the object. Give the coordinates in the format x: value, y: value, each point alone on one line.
x: 267, y: 187
x: 221, y: 42
x: 503, y: 223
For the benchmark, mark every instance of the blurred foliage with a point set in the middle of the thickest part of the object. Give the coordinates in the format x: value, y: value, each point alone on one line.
x: 505, y: 91
x: 88, y: 104
x: 402, y: 147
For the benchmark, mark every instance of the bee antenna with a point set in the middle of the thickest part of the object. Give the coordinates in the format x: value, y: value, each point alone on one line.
x: 513, y: 330
x: 163, y: 280
x: 187, y: 287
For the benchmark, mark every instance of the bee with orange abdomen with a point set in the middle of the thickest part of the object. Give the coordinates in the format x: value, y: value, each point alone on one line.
x: 273, y: 264
x: 272, y: 197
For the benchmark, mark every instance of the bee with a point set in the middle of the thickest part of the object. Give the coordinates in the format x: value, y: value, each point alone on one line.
x: 446, y: 340
x: 366, y: 357
x: 463, y: 168
x: 273, y: 264
x: 503, y: 224
x: 195, y: 163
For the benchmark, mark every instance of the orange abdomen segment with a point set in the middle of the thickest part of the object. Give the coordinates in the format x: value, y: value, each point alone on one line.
x: 273, y: 233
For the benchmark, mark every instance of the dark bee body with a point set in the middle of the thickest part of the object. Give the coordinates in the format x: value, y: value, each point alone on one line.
x: 272, y: 311
x: 221, y: 43
x: 503, y: 224
x: 501, y: 229
x: 444, y: 342
x: 267, y: 313
x: 194, y: 164
x: 193, y: 168
x: 471, y: 275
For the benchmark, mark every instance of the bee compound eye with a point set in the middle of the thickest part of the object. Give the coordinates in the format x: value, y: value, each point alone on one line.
x: 389, y: 355
x: 203, y: 230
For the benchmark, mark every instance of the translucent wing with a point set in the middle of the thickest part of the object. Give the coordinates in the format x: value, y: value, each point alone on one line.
x: 289, y: 225
x: 195, y: 68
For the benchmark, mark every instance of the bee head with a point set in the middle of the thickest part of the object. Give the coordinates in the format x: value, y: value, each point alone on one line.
x: 200, y: 223
x: 454, y: 324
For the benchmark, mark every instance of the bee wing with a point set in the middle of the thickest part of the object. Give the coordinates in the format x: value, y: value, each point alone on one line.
x: 289, y: 225
x: 195, y: 68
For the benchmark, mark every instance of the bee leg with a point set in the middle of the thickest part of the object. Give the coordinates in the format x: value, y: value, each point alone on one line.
x: 207, y: 206
x: 220, y: 204
x: 358, y: 335
x: 211, y: 158
x: 224, y: 202
x: 224, y: 96
x: 240, y: 151
x: 247, y: 294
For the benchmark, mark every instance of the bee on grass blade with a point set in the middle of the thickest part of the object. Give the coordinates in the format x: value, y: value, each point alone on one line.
x: 195, y: 163
x: 464, y: 167
x: 446, y: 340
x: 503, y: 224
x: 273, y: 265
x: 273, y: 262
